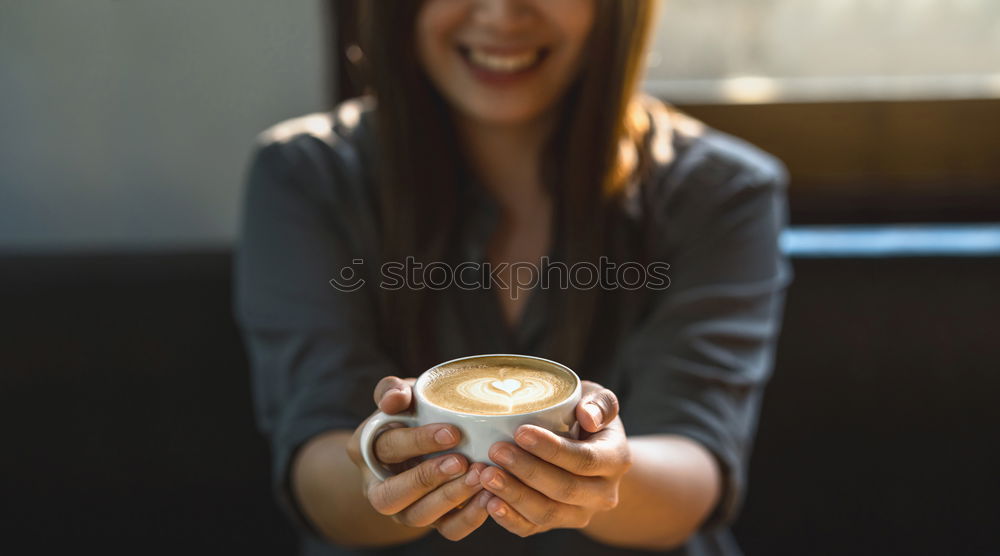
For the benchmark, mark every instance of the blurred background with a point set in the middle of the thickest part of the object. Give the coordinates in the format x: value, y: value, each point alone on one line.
x: 125, y: 132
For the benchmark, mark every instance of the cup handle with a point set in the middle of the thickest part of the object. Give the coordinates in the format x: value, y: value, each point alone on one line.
x: 369, y: 433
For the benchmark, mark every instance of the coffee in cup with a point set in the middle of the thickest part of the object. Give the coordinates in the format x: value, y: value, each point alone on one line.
x: 497, y: 386
x: 487, y: 397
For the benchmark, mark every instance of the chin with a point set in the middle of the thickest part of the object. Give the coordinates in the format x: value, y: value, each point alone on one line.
x: 502, y: 114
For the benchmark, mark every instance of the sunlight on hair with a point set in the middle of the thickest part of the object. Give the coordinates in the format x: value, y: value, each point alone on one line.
x: 317, y: 124
x: 349, y: 113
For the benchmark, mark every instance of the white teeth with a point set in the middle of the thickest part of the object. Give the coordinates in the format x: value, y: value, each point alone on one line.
x: 496, y: 62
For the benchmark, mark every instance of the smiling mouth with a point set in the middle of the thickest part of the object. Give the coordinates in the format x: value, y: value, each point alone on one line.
x: 517, y: 62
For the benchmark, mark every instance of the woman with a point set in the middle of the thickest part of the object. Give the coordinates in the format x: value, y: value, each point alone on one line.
x: 511, y: 131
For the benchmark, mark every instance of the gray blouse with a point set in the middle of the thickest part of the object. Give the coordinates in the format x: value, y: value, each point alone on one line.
x: 693, y: 359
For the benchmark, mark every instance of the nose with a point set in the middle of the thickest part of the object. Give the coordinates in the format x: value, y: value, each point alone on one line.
x: 503, y: 15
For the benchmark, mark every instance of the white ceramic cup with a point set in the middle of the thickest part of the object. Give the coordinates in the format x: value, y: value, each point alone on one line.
x: 479, y: 432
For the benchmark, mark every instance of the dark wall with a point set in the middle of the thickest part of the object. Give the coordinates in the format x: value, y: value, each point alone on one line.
x: 878, y: 430
x: 127, y: 412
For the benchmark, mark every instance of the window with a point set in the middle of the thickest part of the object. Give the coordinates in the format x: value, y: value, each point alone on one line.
x: 739, y: 51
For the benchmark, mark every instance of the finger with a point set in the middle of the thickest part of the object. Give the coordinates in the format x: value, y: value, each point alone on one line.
x: 393, y: 394
x: 442, y: 500
x: 554, y: 482
x: 529, y: 503
x: 598, y: 406
x: 601, y: 454
x: 403, y: 443
x: 509, y: 519
x: 393, y: 495
x: 460, y: 524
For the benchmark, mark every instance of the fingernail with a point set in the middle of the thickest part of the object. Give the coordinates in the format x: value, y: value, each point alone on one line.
x: 527, y: 439
x: 444, y: 437
x: 501, y: 511
x: 503, y: 456
x: 484, y: 498
x: 594, y: 411
x: 389, y: 392
x: 451, y: 465
x: 496, y: 481
x: 472, y: 477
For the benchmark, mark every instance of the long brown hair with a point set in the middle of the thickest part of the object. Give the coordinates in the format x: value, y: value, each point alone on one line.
x: 591, y: 156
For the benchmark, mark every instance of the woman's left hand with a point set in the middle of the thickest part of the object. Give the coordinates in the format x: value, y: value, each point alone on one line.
x: 550, y: 482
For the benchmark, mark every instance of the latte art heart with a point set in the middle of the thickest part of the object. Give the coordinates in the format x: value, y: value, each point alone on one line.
x: 497, y: 389
x: 508, y: 392
x: 508, y: 385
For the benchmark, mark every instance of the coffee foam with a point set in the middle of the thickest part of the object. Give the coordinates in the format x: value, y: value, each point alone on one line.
x: 497, y: 389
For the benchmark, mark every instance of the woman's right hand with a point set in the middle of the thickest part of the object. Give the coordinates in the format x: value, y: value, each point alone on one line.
x: 424, y: 493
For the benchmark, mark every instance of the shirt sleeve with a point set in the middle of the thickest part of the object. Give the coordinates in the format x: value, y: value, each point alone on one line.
x: 312, y: 348
x: 698, y: 361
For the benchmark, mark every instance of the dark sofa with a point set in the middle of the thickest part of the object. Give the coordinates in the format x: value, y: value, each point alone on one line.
x: 127, y: 423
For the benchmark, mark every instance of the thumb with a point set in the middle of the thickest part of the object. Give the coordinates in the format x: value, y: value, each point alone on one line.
x: 394, y: 394
x: 598, y: 406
